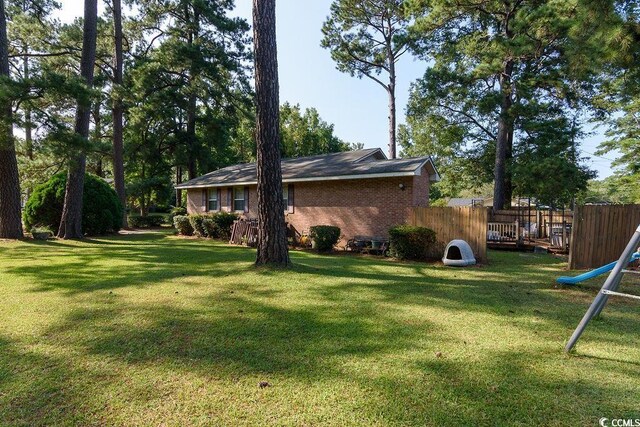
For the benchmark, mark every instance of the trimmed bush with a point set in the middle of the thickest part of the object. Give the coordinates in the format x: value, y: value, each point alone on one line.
x: 210, y: 227
x: 224, y: 222
x: 183, y: 225
x: 137, y: 221
x: 101, y: 208
x: 409, y: 242
x: 178, y: 210
x: 324, y: 236
x: 196, y: 224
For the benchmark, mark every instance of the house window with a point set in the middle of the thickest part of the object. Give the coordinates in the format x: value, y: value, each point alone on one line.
x: 285, y: 197
x: 213, y: 204
x: 238, y: 199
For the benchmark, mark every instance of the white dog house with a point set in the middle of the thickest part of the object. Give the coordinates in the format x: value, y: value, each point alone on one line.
x: 458, y: 254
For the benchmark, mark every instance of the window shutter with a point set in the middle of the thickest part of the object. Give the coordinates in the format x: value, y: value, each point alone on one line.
x: 290, y: 208
x: 204, y: 200
x: 219, y: 199
x: 230, y: 199
x: 246, y: 199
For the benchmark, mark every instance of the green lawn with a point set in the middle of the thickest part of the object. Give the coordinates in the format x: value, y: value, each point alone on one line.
x: 158, y: 330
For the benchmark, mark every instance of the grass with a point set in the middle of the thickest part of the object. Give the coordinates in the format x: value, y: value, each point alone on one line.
x: 153, y: 329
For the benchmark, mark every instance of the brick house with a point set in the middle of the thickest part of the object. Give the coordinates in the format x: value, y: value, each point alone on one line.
x: 362, y: 191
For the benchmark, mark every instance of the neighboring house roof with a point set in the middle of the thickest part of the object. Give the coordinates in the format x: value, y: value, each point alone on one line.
x: 460, y: 201
x: 359, y: 164
x: 485, y: 201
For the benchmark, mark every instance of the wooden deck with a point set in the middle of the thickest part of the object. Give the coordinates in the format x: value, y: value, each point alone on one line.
x: 526, y: 246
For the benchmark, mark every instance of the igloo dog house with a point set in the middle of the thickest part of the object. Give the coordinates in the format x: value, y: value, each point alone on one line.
x: 458, y: 254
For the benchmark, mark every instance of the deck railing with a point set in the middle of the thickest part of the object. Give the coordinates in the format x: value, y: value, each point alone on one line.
x: 503, y: 231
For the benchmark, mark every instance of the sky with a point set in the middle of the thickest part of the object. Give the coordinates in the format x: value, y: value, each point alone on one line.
x: 358, y: 108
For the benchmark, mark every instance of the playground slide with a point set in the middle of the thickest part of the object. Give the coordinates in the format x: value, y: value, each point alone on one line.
x: 565, y: 280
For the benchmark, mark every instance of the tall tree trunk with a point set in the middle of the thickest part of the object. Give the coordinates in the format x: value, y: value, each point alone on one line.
x: 272, y: 236
x: 508, y: 182
x: 505, y: 124
x: 191, y: 138
x: 71, y: 221
x: 28, y: 133
x: 392, y: 120
x: 117, y: 113
x: 10, y: 221
x: 392, y: 97
x: 178, y: 182
x: 193, y: 100
x: 97, y: 134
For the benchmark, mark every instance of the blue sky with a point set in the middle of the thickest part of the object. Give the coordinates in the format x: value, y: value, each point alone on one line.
x: 357, y: 107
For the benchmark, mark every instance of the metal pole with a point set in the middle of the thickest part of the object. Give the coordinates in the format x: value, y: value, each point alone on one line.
x: 611, y: 284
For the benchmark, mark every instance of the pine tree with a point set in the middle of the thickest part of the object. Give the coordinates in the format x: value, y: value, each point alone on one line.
x: 71, y: 221
x: 272, y: 236
x: 10, y: 221
x: 118, y: 110
x: 492, y: 60
x: 367, y: 38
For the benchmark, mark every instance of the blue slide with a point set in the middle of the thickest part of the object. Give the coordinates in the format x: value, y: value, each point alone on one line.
x: 565, y: 280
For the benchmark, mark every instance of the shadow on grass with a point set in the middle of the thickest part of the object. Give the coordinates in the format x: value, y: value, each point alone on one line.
x: 349, y: 326
x: 123, y: 261
x: 232, y: 338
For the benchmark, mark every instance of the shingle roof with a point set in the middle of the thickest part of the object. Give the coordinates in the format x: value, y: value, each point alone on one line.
x: 359, y: 164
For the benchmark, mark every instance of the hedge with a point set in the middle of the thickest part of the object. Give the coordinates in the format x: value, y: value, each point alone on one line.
x: 137, y: 221
x: 410, y: 242
x: 183, y: 225
x: 216, y: 226
x: 324, y: 236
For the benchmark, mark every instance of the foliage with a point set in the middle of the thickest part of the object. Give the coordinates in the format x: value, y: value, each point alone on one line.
x: 196, y: 223
x: 367, y: 38
x: 176, y: 210
x: 188, y: 88
x: 619, y: 103
x: 324, y: 236
x: 615, y: 189
x: 494, y: 68
x: 548, y: 146
x: 223, y: 222
x: 411, y: 242
x: 101, y: 209
x: 210, y: 227
x: 306, y: 134
x: 183, y: 225
x: 149, y: 221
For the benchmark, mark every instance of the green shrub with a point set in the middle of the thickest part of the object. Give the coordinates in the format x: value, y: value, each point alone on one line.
x: 137, y: 221
x: 224, y: 222
x: 183, y: 225
x: 210, y: 227
x: 409, y: 242
x: 324, y: 236
x: 178, y: 210
x: 196, y: 224
x: 101, y: 208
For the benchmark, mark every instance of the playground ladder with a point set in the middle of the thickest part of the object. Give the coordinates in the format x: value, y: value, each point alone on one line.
x: 610, y: 287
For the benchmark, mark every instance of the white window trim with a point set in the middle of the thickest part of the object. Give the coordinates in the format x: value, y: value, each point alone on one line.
x: 244, y: 202
x: 213, y: 192
x: 285, y: 196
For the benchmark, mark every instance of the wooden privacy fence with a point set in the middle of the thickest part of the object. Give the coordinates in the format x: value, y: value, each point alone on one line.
x: 600, y: 233
x: 449, y: 223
